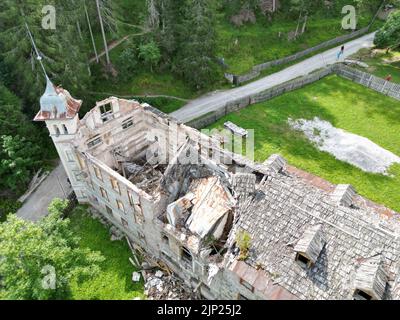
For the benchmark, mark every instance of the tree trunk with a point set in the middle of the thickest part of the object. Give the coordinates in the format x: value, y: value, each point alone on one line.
x: 91, y: 34
x: 103, y: 33
x: 304, y: 24
x: 78, y: 26
x: 298, y: 25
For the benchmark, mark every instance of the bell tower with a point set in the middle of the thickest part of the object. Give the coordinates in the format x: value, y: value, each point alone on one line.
x: 59, y: 110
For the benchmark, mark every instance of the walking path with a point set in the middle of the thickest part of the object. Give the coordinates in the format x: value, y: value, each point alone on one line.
x: 54, y: 186
x: 214, y: 101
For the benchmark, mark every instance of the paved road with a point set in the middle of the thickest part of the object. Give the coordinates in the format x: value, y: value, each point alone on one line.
x: 54, y: 186
x: 211, y: 102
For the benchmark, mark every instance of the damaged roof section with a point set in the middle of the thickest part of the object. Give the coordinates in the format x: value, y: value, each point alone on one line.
x: 243, y: 184
x: 204, y: 209
x: 57, y: 103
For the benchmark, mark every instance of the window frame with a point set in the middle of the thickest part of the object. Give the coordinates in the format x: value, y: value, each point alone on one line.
x: 98, y: 173
x: 115, y: 185
x: 106, y: 115
x: 247, y: 285
x: 120, y: 205
x: 127, y: 123
x: 104, y: 193
x: 94, y: 141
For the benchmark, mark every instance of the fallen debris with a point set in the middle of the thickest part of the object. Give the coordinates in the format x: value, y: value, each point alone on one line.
x: 135, y: 276
x: 236, y: 129
x: 160, y: 286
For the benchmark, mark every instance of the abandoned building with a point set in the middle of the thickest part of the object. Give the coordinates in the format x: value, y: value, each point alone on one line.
x: 309, y: 239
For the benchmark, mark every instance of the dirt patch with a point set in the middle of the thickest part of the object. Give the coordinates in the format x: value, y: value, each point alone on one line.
x: 345, y: 146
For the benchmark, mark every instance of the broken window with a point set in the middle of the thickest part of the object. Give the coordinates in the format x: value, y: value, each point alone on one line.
x: 361, y: 295
x: 115, y: 185
x: 124, y: 222
x: 165, y: 239
x: 95, y: 141
x: 303, y: 260
x: 186, y: 254
x: 241, y: 297
x: 109, y: 210
x: 247, y: 285
x: 131, y: 199
x: 65, y: 129
x: 56, y: 130
x: 106, y: 112
x: 127, y: 123
x: 82, y: 162
x: 104, y: 193
x: 120, y: 206
x: 97, y: 172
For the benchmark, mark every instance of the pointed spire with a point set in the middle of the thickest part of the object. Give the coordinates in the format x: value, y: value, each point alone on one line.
x: 52, y: 102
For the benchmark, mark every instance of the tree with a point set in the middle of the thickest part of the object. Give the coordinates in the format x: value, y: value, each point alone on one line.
x: 127, y: 62
x: 64, y: 54
x: 150, y: 54
x: 38, y: 260
x: 18, y: 158
x: 195, y: 60
x: 389, y: 34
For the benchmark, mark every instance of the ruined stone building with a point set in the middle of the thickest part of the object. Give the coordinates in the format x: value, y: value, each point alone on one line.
x: 309, y: 239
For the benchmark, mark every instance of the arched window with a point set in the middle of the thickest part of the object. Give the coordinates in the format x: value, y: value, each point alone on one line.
x: 56, y: 130
x: 65, y: 129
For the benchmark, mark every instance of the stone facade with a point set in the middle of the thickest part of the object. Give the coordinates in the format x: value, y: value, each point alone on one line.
x: 128, y: 160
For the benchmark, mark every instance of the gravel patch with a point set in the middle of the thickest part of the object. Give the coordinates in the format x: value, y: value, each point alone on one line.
x: 345, y: 146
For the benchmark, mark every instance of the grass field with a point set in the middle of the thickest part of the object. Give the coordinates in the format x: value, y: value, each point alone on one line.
x: 346, y: 105
x: 381, y: 63
x: 252, y: 44
x: 256, y: 43
x: 114, y: 282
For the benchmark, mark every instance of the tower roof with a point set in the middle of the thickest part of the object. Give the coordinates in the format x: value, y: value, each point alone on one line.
x: 57, y: 103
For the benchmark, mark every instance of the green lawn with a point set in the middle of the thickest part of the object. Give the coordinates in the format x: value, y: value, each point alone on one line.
x: 346, y: 105
x: 381, y: 63
x: 114, y: 282
x: 252, y: 44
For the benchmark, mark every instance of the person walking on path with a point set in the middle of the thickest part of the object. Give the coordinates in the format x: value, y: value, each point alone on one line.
x: 340, y: 53
x: 389, y: 78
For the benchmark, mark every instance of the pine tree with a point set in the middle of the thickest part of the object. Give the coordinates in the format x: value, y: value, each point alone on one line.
x: 64, y: 55
x: 196, y: 55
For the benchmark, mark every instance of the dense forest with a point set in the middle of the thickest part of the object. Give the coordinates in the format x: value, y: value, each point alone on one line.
x: 180, y: 38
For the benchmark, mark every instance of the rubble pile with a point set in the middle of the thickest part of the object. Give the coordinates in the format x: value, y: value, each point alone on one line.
x: 161, y: 286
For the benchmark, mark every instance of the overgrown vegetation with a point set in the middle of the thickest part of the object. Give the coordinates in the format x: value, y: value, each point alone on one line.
x: 39, y: 260
x: 345, y: 105
x: 381, y: 62
x: 77, y: 250
x: 389, y: 34
x: 243, y: 242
